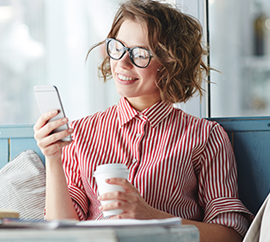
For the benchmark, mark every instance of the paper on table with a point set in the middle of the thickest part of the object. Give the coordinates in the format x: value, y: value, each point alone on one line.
x: 17, y: 223
x: 21, y: 223
x: 130, y: 222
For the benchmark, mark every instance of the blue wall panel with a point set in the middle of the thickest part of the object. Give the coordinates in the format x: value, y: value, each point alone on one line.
x: 21, y: 144
x: 250, y: 137
x: 21, y: 137
x: 252, y: 151
x: 3, y: 152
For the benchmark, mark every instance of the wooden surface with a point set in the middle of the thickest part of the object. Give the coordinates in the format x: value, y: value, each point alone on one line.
x: 8, y: 214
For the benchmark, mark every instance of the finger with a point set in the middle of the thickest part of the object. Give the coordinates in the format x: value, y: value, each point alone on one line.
x: 115, y: 195
x: 128, y: 198
x: 123, y: 216
x: 54, y: 148
x: 55, y: 137
x: 128, y: 187
x: 44, y: 118
x: 128, y: 209
x: 47, y: 129
x: 112, y: 205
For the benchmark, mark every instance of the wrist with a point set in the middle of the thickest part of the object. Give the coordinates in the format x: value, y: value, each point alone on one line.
x: 53, y: 161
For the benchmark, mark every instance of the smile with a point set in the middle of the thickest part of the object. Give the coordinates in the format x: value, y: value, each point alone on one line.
x: 126, y: 78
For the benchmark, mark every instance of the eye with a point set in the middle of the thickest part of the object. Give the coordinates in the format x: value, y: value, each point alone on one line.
x: 118, y: 49
x: 118, y: 46
x: 140, y: 53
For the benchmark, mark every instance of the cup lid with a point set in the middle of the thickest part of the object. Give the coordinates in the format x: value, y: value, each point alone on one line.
x: 111, y: 167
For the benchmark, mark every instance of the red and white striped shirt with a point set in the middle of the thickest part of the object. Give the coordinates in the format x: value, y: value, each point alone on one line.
x: 180, y: 164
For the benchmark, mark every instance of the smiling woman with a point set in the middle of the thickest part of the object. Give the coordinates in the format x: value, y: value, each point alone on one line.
x: 179, y: 165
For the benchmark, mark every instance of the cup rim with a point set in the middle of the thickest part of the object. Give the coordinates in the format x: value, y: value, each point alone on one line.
x: 113, y: 166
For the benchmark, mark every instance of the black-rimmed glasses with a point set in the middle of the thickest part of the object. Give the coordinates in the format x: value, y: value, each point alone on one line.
x: 139, y: 56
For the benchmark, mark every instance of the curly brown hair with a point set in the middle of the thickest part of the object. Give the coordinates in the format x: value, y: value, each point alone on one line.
x: 174, y: 39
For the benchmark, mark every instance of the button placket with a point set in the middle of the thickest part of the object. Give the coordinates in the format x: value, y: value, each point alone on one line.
x: 138, y: 139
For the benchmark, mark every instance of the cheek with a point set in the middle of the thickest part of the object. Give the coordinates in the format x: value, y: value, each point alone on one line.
x: 153, y: 67
x: 112, y: 64
x: 151, y: 74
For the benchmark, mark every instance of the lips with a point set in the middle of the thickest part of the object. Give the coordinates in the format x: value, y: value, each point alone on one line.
x: 125, y: 79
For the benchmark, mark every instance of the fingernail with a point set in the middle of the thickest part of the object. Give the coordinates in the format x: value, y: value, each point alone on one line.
x: 100, y: 208
x: 107, y: 180
x: 70, y: 130
x: 64, y: 119
x: 54, y: 112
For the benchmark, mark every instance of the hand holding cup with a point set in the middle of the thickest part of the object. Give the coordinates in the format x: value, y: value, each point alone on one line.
x: 104, y: 172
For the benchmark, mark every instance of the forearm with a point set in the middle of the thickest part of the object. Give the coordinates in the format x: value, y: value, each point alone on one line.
x: 214, y: 232
x: 58, y: 201
x: 209, y: 232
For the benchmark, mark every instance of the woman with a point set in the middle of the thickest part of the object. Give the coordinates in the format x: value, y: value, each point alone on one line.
x: 179, y: 165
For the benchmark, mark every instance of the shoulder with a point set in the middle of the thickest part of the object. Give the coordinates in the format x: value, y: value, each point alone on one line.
x: 192, y: 121
x: 199, y: 128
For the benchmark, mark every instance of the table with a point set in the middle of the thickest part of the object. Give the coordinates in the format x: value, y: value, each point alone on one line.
x: 183, y: 233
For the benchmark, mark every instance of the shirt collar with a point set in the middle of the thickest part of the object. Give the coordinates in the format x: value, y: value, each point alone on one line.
x: 153, y: 114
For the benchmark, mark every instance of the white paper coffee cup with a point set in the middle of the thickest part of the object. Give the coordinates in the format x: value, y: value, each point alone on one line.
x: 110, y: 171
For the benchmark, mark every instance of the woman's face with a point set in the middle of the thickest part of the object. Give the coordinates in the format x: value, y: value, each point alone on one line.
x: 136, y: 84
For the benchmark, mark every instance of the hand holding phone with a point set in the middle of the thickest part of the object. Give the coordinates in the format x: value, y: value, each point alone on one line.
x: 48, y: 99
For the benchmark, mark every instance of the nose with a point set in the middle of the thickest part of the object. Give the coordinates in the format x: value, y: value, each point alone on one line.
x: 125, y: 61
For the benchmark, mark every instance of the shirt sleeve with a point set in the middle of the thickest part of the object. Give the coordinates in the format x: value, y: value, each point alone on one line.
x: 74, y: 182
x: 218, y: 189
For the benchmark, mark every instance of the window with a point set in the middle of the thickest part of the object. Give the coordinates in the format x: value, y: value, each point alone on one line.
x: 239, y: 35
x: 45, y: 42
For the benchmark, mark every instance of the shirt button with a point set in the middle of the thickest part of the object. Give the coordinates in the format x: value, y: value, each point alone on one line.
x: 134, y: 160
x: 138, y: 135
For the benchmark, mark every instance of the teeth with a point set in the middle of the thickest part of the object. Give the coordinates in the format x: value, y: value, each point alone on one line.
x: 125, y: 78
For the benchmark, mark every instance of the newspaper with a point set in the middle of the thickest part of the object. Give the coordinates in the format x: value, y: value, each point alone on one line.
x: 17, y: 223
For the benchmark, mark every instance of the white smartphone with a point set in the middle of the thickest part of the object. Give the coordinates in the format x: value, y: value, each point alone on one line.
x: 48, y: 99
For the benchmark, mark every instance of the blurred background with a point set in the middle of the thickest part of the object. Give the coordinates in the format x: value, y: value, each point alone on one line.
x: 45, y: 42
x: 239, y: 37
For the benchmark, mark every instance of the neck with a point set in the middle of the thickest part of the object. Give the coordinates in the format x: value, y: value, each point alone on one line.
x: 141, y: 104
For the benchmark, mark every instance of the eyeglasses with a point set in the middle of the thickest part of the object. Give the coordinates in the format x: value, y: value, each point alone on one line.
x: 139, y: 56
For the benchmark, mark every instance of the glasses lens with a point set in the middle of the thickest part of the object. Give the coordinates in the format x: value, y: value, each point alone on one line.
x: 115, y: 49
x: 141, y: 56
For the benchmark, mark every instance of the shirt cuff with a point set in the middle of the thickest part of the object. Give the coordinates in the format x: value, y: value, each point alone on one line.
x: 224, y: 205
x: 80, y: 201
x: 80, y: 213
x: 237, y: 221
x: 229, y: 212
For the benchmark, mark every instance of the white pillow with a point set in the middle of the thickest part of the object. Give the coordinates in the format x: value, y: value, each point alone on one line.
x: 22, y: 186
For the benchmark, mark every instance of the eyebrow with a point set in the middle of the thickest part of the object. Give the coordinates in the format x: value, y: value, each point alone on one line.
x: 141, y: 46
